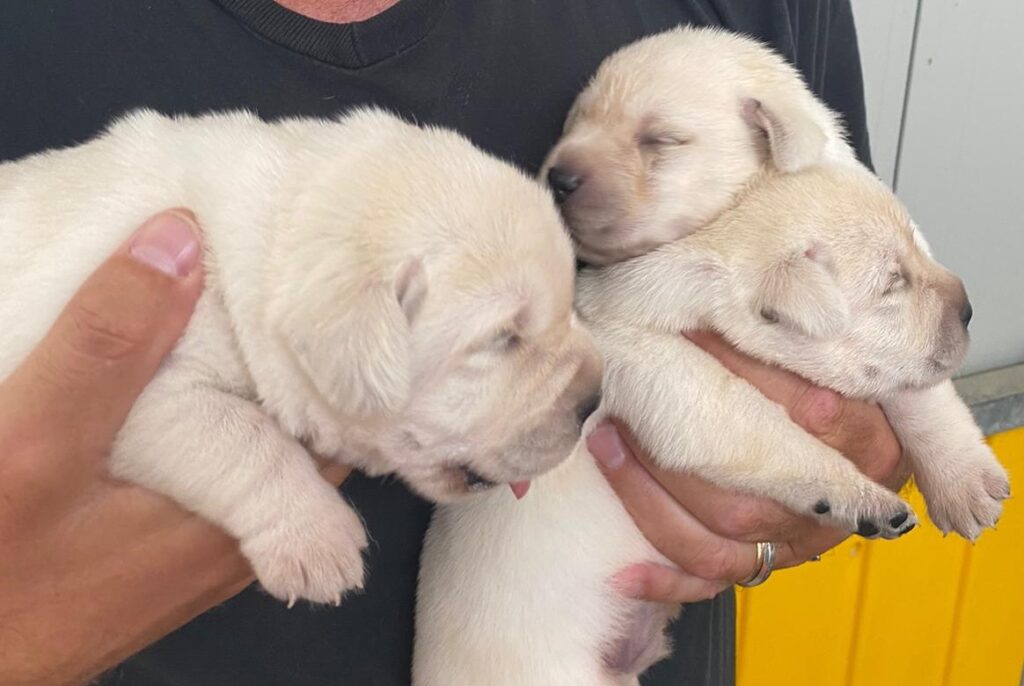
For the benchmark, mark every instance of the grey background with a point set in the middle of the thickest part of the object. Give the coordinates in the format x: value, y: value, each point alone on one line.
x: 945, y: 95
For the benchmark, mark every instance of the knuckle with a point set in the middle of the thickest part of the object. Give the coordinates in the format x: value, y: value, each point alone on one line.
x: 715, y: 561
x: 872, y: 445
x: 888, y: 463
x: 97, y: 335
x: 741, y: 521
x: 890, y: 454
x: 819, y: 410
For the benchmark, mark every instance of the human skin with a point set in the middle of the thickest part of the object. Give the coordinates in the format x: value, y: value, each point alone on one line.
x: 338, y: 11
x: 94, y: 569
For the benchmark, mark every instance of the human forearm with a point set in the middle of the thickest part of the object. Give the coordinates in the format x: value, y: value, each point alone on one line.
x: 75, y: 604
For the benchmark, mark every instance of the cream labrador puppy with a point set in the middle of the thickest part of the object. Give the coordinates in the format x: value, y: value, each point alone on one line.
x: 376, y: 293
x: 706, y: 152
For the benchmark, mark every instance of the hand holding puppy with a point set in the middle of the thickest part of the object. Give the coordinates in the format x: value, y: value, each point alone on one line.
x: 709, y: 532
x: 95, y: 569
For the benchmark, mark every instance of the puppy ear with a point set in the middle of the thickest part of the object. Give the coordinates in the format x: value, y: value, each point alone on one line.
x: 795, y: 139
x: 356, y: 347
x: 801, y: 292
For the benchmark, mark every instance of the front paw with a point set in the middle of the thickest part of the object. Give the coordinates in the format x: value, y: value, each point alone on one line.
x: 968, y: 496
x: 317, y: 557
x: 863, y: 507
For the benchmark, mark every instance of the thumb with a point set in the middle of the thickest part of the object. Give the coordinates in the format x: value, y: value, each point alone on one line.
x: 109, y: 340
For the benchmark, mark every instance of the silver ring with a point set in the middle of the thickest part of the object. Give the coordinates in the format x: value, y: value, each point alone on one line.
x: 763, y: 565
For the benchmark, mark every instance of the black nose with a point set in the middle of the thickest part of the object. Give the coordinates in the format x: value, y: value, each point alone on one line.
x: 563, y: 183
x: 588, y: 408
x: 966, y: 312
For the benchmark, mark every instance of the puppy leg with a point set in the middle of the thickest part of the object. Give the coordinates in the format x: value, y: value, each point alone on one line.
x: 713, y: 424
x: 962, y: 481
x: 223, y: 458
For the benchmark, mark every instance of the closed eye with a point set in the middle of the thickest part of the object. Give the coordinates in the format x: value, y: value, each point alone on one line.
x: 897, y: 282
x: 662, y: 140
x: 506, y: 341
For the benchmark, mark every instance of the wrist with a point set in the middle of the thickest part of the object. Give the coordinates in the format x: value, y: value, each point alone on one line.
x: 85, y: 615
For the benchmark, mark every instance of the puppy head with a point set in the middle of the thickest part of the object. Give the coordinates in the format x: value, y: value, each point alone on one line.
x: 670, y: 129
x: 505, y: 376
x: 831, y: 279
x: 430, y: 306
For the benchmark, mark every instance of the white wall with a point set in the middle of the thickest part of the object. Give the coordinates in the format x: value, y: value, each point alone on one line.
x: 954, y: 157
x: 886, y: 32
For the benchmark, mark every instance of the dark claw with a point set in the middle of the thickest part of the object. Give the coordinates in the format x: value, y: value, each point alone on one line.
x: 898, y: 519
x: 822, y: 507
x: 866, y: 528
x: 906, y: 529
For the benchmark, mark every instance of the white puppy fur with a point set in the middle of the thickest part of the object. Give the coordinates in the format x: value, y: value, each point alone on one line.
x: 376, y: 293
x: 805, y: 260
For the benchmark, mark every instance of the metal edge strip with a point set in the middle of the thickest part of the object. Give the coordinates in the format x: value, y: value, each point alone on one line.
x: 995, y: 397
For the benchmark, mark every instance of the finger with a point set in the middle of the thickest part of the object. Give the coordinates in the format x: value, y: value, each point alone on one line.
x: 670, y: 528
x: 110, y: 338
x: 333, y: 472
x: 809, y: 547
x: 662, y: 584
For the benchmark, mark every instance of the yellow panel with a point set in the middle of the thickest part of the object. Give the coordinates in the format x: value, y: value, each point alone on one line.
x: 908, y: 606
x: 988, y: 642
x: 923, y: 611
x: 797, y: 628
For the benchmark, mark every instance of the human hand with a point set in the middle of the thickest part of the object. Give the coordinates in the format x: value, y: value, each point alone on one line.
x: 94, y: 569
x: 709, y: 533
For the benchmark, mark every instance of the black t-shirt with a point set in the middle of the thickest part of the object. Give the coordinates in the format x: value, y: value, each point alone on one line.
x: 504, y: 73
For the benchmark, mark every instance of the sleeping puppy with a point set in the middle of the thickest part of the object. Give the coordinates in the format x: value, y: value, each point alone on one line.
x: 805, y: 260
x: 376, y: 293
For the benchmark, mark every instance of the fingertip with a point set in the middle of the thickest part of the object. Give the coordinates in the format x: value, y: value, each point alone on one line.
x: 631, y: 581
x: 109, y: 339
x: 605, y: 443
x: 334, y: 473
x: 167, y: 242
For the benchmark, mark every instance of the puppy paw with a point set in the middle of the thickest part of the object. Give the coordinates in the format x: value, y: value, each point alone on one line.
x: 968, y: 497
x: 866, y: 509
x: 317, y: 558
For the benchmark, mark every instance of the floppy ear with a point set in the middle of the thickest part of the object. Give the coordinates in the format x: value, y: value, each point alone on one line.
x: 356, y: 346
x: 801, y: 292
x: 795, y: 139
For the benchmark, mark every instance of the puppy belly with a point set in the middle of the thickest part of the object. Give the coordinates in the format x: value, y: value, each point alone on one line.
x: 533, y: 582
